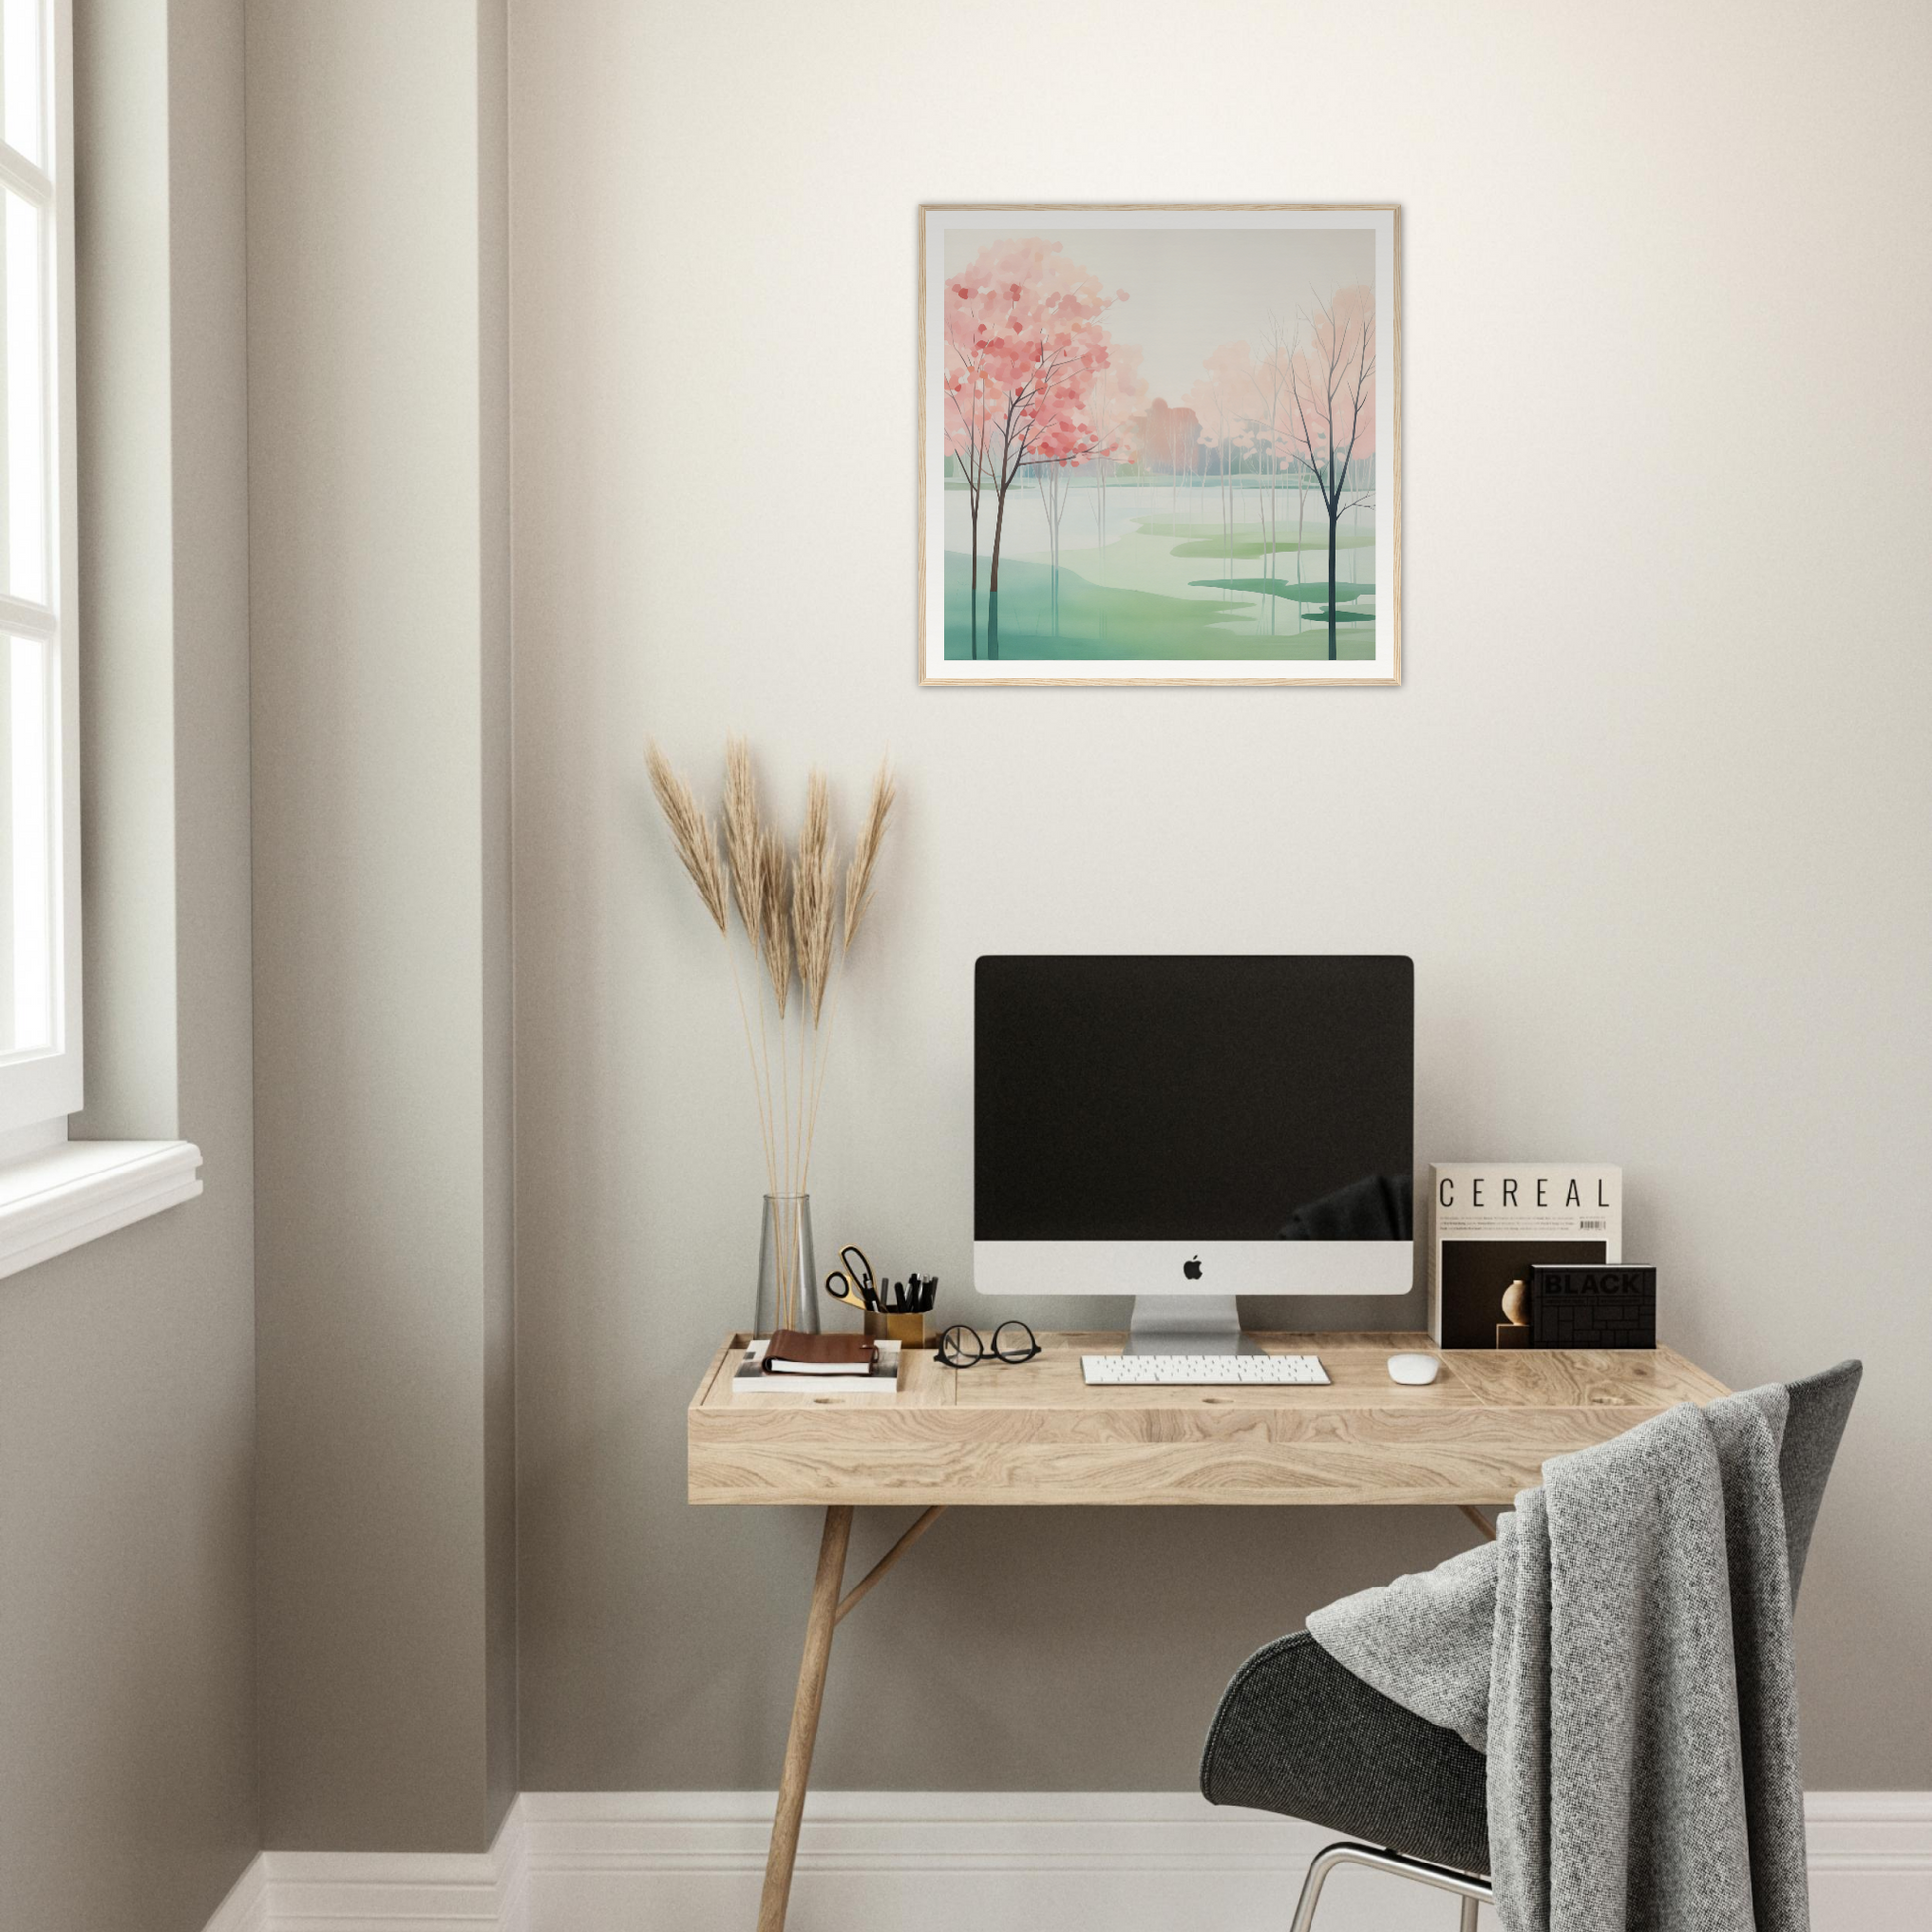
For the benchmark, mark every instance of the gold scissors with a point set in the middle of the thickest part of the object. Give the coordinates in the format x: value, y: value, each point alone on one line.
x: 853, y: 1282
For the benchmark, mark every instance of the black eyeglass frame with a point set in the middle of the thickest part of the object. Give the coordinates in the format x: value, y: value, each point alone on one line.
x: 950, y: 1357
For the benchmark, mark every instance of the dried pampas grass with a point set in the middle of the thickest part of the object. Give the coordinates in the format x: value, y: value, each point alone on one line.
x: 774, y: 917
x: 788, y: 908
x: 691, y: 832
x: 814, y: 895
x: 864, y: 852
x: 743, y: 846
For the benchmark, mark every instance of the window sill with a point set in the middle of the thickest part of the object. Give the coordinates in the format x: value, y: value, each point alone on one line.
x: 79, y: 1190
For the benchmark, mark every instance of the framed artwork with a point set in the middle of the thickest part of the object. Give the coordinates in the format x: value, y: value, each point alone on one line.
x: 1160, y: 445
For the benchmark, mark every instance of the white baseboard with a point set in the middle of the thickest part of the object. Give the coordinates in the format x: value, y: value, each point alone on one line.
x: 384, y: 1891
x: 954, y: 1861
x: 245, y: 1909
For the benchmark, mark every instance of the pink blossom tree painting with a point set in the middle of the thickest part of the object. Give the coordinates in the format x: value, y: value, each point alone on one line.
x: 1023, y: 326
x: 1176, y: 393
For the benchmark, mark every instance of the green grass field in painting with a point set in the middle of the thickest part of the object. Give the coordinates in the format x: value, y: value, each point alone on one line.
x: 1243, y: 545
x: 1107, y: 622
x: 1136, y: 599
x: 1296, y: 593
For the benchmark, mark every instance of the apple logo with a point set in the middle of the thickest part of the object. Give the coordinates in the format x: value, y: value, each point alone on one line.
x: 1191, y: 1269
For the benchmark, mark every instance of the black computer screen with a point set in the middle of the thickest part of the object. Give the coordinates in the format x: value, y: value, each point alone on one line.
x: 1215, y: 1098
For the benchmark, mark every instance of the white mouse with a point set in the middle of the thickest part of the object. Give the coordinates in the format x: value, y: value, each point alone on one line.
x: 1413, y: 1369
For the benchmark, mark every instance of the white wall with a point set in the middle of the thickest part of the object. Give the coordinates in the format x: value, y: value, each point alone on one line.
x: 1650, y: 810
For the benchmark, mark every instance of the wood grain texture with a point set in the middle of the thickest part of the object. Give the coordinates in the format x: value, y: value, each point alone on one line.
x: 857, y: 1594
x: 1034, y: 1433
x: 820, y: 1622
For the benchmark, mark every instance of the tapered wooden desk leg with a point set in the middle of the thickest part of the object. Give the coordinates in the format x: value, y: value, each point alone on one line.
x: 804, y: 1718
x: 1478, y: 1519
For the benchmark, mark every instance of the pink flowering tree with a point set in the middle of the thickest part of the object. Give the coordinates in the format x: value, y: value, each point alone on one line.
x: 1024, y: 346
x: 970, y: 406
x: 1331, y: 400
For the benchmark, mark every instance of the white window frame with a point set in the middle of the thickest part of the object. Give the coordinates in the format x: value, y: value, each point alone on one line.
x: 38, y: 1089
x: 54, y: 1193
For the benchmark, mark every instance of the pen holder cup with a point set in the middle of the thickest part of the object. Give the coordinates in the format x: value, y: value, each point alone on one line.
x: 907, y: 1328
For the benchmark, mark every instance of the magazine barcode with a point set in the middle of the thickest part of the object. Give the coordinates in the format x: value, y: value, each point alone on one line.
x: 1599, y: 1225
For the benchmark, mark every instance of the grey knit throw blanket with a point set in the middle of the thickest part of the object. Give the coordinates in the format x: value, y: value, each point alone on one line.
x: 1622, y: 1652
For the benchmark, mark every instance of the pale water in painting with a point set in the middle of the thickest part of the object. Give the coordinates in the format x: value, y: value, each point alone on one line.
x: 1160, y: 445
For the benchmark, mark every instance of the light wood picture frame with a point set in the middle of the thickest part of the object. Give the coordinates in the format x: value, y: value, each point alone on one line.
x: 1160, y: 444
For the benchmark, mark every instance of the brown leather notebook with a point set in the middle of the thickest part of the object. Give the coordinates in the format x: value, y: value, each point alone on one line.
x: 793, y: 1353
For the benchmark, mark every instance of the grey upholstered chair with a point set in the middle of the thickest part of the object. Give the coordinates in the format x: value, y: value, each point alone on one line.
x: 1299, y: 1733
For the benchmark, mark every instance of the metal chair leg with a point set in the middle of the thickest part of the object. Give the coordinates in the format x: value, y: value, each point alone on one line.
x: 1325, y: 1862
x: 1472, y: 1891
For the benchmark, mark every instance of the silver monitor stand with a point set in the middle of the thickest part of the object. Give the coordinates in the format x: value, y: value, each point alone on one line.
x: 1186, y: 1325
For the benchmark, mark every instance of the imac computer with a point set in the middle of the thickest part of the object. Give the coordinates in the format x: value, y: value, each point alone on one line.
x: 1188, y: 1129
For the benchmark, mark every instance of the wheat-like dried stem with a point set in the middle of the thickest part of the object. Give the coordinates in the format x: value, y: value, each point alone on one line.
x: 758, y: 1085
x: 865, y: 851
x: 764, y: 1068
x: 743, y: 848
x: 814, y: 922
x: 795, y: 1119
x: 814, y: 895
x: 858, y: 898
x: 821, y: 1058
x: 774, y: 939
x: 691, y: 833
x: 775, y: 923
x: 748, y: 848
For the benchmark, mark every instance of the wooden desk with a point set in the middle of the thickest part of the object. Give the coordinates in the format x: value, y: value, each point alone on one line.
x: 1033, y: 1433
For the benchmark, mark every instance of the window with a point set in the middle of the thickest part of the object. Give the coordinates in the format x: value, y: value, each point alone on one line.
x: 40, y: 846
x: 55, y: 1193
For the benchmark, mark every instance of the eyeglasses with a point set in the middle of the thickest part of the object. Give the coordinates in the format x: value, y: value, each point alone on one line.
x: 1013, y: 1341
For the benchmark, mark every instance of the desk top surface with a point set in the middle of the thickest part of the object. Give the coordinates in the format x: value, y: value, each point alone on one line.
x: 1034, y: 1433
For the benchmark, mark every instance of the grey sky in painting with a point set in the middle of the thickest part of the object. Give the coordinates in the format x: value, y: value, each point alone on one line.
x: 1190, y: 290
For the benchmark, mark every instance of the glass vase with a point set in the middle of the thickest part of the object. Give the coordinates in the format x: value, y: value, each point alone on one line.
x: 787, y: 1270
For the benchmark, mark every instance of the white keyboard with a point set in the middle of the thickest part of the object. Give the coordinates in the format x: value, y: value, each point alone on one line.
x: 1201, y: 1371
